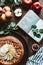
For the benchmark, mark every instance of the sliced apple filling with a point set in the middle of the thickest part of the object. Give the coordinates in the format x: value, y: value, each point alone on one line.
x: 8, y: 52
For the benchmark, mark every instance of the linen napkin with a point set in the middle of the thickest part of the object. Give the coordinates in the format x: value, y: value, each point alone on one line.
x: 38, y: 56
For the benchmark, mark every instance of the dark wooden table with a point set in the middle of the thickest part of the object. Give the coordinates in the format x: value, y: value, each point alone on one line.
x: 29, y: 40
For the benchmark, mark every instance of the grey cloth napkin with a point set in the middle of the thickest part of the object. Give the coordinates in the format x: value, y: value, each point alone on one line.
x: 39, y: 56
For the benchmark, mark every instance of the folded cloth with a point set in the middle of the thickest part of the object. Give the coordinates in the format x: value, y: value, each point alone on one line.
x: 36, y: 59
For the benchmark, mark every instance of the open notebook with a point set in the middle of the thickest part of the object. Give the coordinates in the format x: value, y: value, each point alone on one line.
x: 27, y: 21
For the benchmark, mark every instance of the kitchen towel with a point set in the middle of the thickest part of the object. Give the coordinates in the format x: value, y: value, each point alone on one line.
x: 38, y: 56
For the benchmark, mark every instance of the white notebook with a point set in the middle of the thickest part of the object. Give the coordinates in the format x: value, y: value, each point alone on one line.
x: 27, y: 21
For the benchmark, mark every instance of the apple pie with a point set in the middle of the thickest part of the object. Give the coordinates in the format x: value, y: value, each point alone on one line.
x: 11, y: 50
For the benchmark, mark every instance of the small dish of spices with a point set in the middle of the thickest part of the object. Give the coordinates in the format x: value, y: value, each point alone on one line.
x: 35, y: 47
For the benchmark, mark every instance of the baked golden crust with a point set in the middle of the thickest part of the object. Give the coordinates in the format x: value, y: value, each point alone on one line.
x: 18, y: 46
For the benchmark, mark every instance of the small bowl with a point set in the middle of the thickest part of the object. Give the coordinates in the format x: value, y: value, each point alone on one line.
x: 35, y: 47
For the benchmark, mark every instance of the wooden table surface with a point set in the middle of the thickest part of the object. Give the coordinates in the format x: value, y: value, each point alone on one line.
x: 29, y: 40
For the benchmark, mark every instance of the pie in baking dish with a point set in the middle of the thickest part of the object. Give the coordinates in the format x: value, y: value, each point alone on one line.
x: 11, y: 50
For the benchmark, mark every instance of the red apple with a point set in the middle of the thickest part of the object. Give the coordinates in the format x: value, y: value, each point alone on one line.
x: 6, y: 8
x: 27, y: 2
x: 9, y: 14
x: 37, y: 6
